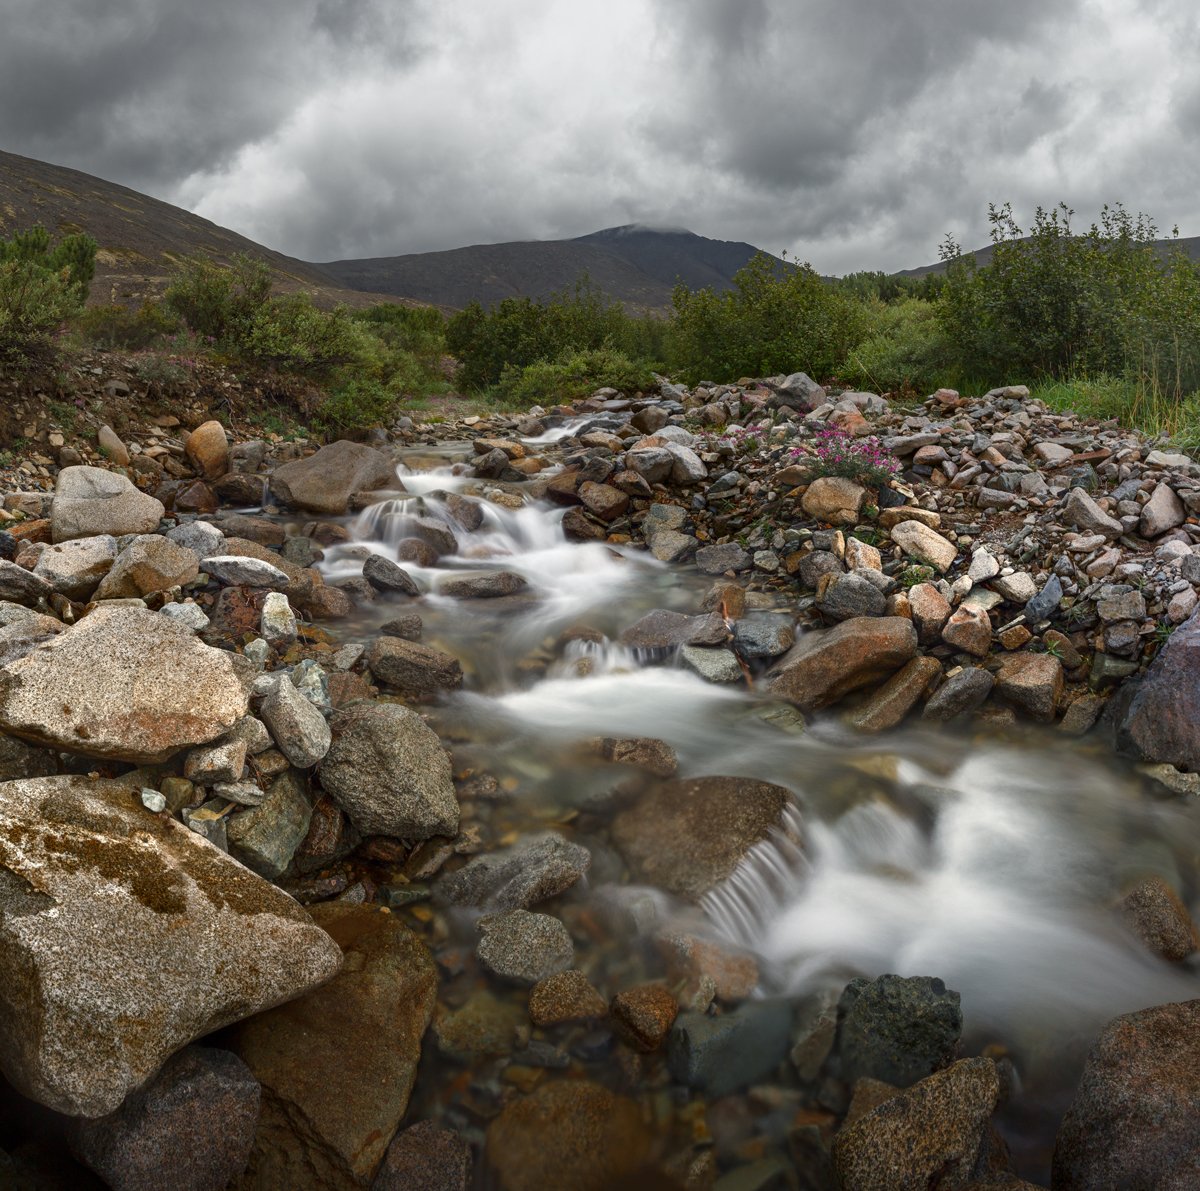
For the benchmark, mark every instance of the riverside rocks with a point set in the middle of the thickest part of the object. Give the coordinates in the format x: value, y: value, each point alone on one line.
x: 1133, y: 1120
x: 537, y: 868
x: 89, y: 501
x: 125, y: 684
x: 131, y: 924
x: 325, y: 482
x: 412, y: 667
x: 337, y: 1065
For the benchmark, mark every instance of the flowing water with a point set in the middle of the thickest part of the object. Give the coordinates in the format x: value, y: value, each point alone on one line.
x: 993, y: 864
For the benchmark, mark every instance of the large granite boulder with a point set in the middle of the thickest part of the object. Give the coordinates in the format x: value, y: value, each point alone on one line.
x: 124, y: 684
x: 325, y: 482
x: 123, y: 936
x: 89, y: 501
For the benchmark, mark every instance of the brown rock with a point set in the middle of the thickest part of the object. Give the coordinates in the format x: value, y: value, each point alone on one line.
x: 208, y: 450
x: 970, y: 630
x: 412, y: 667
x: 930, y: 611
x: 734, y: 974
x: 565, y: 997
x: 826, y: 664
x: 1133, y: 1120
x: 886, y: 707
x: 149, y: 563
x: 643, y: 1016
x: 1033, y: 682
x: 1154, y: 912
x: 569, y: 1133
x: 933, y: 1134
x: 337, y: 1065
x: 603, y: 500
x: 425, y: 1158
x: 688, y: 835
x: 834, y: 500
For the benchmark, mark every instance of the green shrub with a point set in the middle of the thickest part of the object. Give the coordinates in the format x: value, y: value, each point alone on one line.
x: 215, y: 301
x: 418, y: 330
x: 119, y: 327
x: 40, y: 289
x: 291, y: 334
x: 904, y: 348
x: 573, y: 376
x: 169, y: 376
x: 775, y: 319
x: 357, y: 405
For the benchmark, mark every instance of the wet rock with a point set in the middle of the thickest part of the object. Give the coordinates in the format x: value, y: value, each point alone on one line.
x: 388, y: 771
x: 569, y: 1133
x: 413, y: 668
x: 125, y: 684
x: 337, y: 1066
x: 75, y: 568
x: 603, y: 500
x: 296, y: 726
x: 642, y: 752
x: 425, y: 1158
x: 959, y: 695
x: 149, y: 563
x: 889, y: 705
x: 688, y: 835
x: 408, y: 627
x: 933, y: 1134
x: 1162, y: 512
x: 191, y: 1128
x: 924, y: 544
x: 385, y: 575
x: 834, y: 500
x: 1081, y: 511
x: 1154, y: 912
x: 489, y: 586
x: 239, y: 571
x: 825, y: 665
x: 662, y: 629
x: 484, y: 1027
x: 524, y: 947
x: 536, y: 868
x: 565, y: 997
x: 764, y: 636
x: 1133, y: 1120
x: 897, y: 1028
x: 643, y: 1016
x: 721, y: 1055
x: 156, y: 938
x: 89, y: 501
x: 716, y: 560
x: 325, y: 482
x: 267, y: 836
x: 1032, y: 682
x: 713, y: 665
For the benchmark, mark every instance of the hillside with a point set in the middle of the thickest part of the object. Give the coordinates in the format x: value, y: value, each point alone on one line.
x: 983, y: 256
x: 139, y: 236
x: 635, y: 264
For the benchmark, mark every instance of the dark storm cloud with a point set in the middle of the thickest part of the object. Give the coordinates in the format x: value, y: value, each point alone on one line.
x: 854, y: 133
x: 149, y: 91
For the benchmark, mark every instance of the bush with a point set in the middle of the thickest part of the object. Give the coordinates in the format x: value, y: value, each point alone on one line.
x: 357, y: 405
x: 573, y: 376
x: 836, y: 453
x: 291, y: 334
x: 215, y: 301
x: 775, y: 319
x: 418, y: 330
x: 118, y: 327
x: 904, y: 348
x: 40, y: 289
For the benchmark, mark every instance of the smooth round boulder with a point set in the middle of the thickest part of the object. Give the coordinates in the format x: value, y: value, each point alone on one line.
x: 207, y: 449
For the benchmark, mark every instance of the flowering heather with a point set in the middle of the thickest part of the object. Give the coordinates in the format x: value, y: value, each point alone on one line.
x: 837, y: 453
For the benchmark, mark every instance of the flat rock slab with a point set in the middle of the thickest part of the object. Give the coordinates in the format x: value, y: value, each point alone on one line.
x: 123, y: 936
x: 124, y: 684
x: 324, y: 482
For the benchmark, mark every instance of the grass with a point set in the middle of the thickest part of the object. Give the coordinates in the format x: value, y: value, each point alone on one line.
x: 1137, y: 405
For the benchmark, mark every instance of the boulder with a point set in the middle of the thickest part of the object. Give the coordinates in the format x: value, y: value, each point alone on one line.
x: 75, y: 568
x: 489, y: 586
x: 935, y: 1134
x: 687, y: 835
x: 125, y: 684
x: 149, y: 563
x: 1133, y: 1120
x: 337, y: 1066
x: 413, y: 668
x: 1032, y: 682
x: 89, y: 501
x: 388, y: 771
x: 569, y: 1133
x: 325, y: 482
x: 924, y: 544
x: 720, y: 1055
x: 834, y: 500
x: 207, y: 449
x: 826, y: 664
x: 1162, y: 512
x: 385, y: 575
x: 532, y: 870
x: 123, y: 936
x: 191, y: 1128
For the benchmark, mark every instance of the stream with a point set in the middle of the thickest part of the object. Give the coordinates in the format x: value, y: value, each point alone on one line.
x: 992, y: 862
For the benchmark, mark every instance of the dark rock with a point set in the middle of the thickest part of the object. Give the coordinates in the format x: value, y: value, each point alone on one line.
x: 1045, y: 602
x: 491, y: 585
x: 716, y: 560
x: 841, y: 597
x: 897, y: 1028
x: 191, y: 1128
x: 764, y: 636
x: 662, y: 629
x: 959, y: 695
x: 1155, y: 913
x: 265, y: 837
x: 1133, y: 1120
x: 408, y: 627
x: 425, y: 1158
x: 536, y: 868
x: 565, y: 997
x: 412, y: 667
x: 721, y: 1055
x: 385, y: 575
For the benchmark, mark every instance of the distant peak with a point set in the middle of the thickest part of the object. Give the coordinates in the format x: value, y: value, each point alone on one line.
x: 636, y: 229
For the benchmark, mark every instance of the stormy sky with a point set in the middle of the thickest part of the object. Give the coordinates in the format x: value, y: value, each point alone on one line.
x: 850, y: 133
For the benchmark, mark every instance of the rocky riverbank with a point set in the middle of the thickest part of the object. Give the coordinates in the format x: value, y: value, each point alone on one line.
x: 227, y: 669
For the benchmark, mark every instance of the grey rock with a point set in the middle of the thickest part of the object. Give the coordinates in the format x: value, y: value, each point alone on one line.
x: 234, y: 570
x: 386, y: 575
x: 713, y: 665
x: 524, y: 947
x: 156, y: 938
x: 298, y: 728
x: 277, y: 621
x: 388, y: 771
x: 89, y: 501
x: 959, y: 695
x: 663, y: 629
x: 412, y: 667
x: 721, y: 1055
x: 1045, y: 602
x: 1162, y: 512
x: 325, y: 482
x: 764, y: 636
x: 265, y: 837
x: 1085, y: 514
x: 532, y: 870
x: 716, y: 560
x: 201, y: 537
x: 850, y: 595
x: 668, y: 545
x: 492, y: 585
x: 190, y: 616
x: 148, y: 563
x: 75, y: 568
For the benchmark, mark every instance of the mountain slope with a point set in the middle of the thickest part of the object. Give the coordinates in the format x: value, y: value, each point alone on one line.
x: 139, y: 236
x: 634, y: 264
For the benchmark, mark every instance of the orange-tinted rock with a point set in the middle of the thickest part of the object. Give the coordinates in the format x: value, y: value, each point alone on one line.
x: 643, y: 1016
x: 208, y: 450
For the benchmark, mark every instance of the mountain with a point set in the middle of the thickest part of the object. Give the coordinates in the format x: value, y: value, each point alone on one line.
x: 634, y: 264
x: 983, y: 256
x: 139, y: 236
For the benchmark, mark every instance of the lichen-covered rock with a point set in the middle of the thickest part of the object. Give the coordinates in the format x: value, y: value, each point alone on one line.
x: 123, y: 936
x: 124, y: 684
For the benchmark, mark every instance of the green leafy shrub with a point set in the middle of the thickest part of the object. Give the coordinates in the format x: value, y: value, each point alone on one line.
x: 903, y: 348
x: 573, y: 376
x: 216, y: 301
x: 168, y: 375
x: 357, y: 405
x: 291, y: 334
x: 417, y: 330
x: 119, y: 327
x: 41, y: 287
